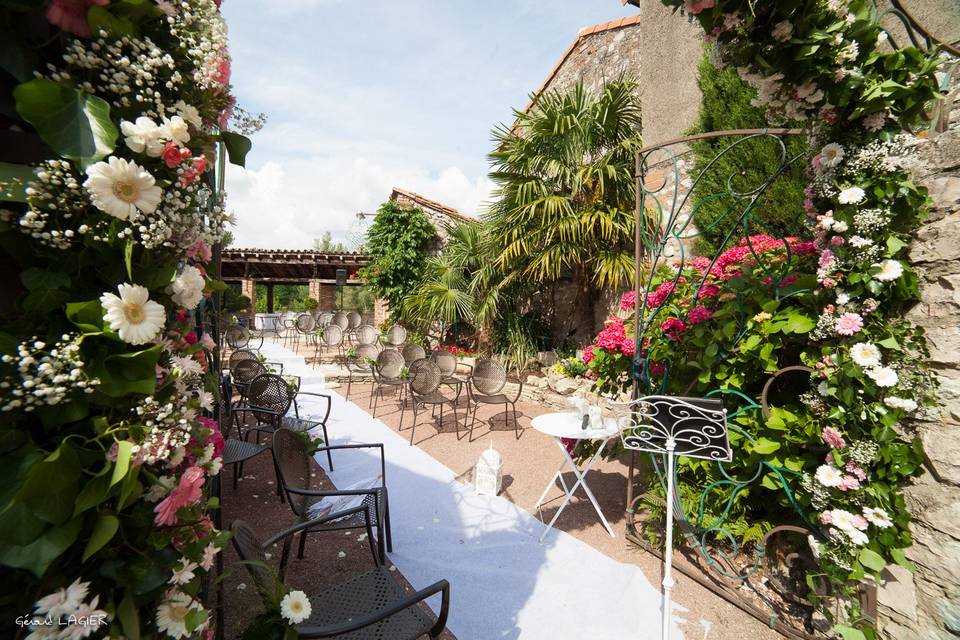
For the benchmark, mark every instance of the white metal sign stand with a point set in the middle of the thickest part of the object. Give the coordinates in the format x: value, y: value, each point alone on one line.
x: 693, y: 427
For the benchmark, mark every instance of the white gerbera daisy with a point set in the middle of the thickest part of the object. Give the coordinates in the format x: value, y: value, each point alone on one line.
x: 889, y: 270
x: 172, y: 614
x: 865, y: 354
x: 906, y: 404
x: 831, y: 155
x: 883, y: 376
x: 828, y: 475
x: 851, y: 195
x: 857, y: 537
x: 184, y: 573
x: 877, y: 517
x: 132, y: 314
x: 175, y: 129
x: 295, y: 607
x: 187, y: 289
x: 119, y: 187
x: 143, y: 136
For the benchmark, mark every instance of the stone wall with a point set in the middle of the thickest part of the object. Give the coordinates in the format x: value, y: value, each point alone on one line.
x: 926, y: 605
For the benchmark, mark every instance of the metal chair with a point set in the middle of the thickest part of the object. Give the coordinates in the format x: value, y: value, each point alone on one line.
x: 412, y: 353
x: 396, y: 336
x: 340, y: 319
x: 370, y: 606
x: 485, y: 386
x: 236, y: 337
x: 332, y: 338
x: 424, y: 389
x: 366, y: 334
x: 243, y: 373
x: 362, y: 363
x: 448, y: 367
x: 354, y: 320
x: 304, y: 326
x: 294, y: 463
x: 324, y: 319
x: 387, y: 372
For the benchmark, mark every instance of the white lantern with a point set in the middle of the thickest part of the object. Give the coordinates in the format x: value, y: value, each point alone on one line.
x: 488, y: 474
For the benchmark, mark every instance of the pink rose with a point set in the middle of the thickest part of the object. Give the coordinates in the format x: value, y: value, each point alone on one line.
x: 173, y: 155
x: 833, y: 438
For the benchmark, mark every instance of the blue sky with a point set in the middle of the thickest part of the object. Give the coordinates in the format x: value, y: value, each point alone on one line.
x: 365, y: 95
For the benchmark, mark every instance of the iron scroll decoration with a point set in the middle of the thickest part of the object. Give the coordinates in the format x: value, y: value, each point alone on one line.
x: 696, y: 427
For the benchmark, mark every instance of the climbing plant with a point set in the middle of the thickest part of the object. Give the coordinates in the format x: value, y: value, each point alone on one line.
x: 397, y: 242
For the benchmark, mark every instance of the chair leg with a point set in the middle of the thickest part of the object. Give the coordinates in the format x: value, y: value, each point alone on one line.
x: 349, y: 382
x: 386, y: 520
x: 414, y: 427
x: 326, y: 441
x: 456, y: 420
x: 235, y: 475
x: 516, y: 423
x: 378, y: 391
x: 303, y: 545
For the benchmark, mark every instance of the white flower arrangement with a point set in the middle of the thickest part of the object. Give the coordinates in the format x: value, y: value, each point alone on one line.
x: 889, y: 270
x: 828, y: 475
x: 121, y: 187
x: 171, y: 617
x: 851, y: 195
x: 45, y: 375
x: 866, y: 354
x: 883, y: 376
x: 187, y: 288
x: 906, y: 404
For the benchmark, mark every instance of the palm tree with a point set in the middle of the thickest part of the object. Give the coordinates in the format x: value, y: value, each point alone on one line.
x: 564, y: 198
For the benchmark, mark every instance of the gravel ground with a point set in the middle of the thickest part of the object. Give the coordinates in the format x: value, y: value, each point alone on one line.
x: 528, y: 465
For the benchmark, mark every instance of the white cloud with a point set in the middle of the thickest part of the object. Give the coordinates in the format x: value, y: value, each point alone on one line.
x: 285, y: 204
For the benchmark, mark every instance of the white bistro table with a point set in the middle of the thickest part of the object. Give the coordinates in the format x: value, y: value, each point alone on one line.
x: 568, y: 425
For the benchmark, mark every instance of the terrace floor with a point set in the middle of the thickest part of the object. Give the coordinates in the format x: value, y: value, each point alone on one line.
x: 528, y: 465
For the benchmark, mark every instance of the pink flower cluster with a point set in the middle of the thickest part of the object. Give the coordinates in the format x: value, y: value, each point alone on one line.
x: 662, y: 292
x: 731, y: 262
x: 614, y: 338
x: 698, y: 315
x: 833, y: 438
x: 673, y: 328
x: 848, y: 324
x: 185, y: 494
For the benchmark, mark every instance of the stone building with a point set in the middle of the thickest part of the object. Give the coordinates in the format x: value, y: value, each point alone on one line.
x: 440, y: 215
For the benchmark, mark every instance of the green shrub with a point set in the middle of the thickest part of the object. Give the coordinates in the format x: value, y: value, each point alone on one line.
x: 726, y: 104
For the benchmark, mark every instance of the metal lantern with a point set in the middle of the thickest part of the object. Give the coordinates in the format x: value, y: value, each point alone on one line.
x: 488, y: 474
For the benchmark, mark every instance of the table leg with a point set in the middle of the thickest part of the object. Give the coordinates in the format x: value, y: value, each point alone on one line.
x: 550, y: 484
x: 581, y: 480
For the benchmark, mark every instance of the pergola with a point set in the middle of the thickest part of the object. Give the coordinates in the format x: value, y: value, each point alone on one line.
x: 316, y: 269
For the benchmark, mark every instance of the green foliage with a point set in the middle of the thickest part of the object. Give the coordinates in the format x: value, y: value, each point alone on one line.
x: 518, y: 338
x: 564, y: 176
x: 397, y: 243
x: 726, y: 105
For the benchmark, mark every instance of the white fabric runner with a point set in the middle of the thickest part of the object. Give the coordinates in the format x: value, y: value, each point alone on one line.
x: 504, y: 584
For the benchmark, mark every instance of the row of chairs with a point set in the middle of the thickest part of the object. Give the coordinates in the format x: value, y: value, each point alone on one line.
x: 371, y: 605
x: 419, y: 377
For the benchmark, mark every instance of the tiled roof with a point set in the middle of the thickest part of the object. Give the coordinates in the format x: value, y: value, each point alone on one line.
x: 583, y: 33
x: 431, y: 204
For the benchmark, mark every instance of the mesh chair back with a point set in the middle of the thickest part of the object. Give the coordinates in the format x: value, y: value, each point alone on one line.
x: 396, y: 335
x: 332, y: 335
x: 249, y: 549
x: 413, y: 352
x: 489, y: 376
x: 247, y: 370
x: 390, y: 363
x: 293, y: 465
x: 239, y: 356
x: 366, y: 354
x: 324, y: 319
x: 366, y: 334
x: 236, y: 337
x: 340, y: 319
x: 425, y: 376
x: 354, y: 320
x: 446, y: 361
x: 270, y: 391
x: 305, y: 323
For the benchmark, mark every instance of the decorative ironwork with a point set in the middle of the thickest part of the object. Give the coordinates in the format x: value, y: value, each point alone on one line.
x: 691, y: 427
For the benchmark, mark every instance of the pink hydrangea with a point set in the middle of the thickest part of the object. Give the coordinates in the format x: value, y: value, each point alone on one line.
x: 708, y: 291
x: 614, y: 338
x: 698, y: 315
x: 588, y: 355
x: 657, y: 368
x: 628, y: 301
x: 833, y: 438
x: 659, y: 295
x: 848, y: 324
x: 673, y: 328
x: 188, y: 492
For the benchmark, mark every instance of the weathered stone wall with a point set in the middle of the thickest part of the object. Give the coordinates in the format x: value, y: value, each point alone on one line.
x: 926, y: 605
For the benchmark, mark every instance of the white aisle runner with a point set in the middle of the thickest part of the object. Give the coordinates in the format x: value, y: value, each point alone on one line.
x: 504, y: 584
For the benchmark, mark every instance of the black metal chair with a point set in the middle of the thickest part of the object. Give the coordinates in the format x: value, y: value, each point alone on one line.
x: 424, y: 389
x: 294, y: 469
x: 412, y: 353
x: 387, y: 372
x: 362, y: 363
x: 485, y: 386
x: 370, y: 606
x: 242, y: 374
